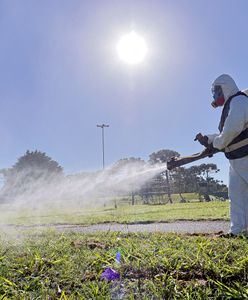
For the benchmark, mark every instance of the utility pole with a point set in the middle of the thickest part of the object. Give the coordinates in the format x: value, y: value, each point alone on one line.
x: 103, y: 126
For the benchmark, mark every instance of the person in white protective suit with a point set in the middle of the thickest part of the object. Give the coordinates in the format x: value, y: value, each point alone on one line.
x: 233, y: 141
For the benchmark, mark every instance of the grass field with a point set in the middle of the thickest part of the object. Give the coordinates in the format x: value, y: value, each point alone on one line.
x: 49, y: 265
x: 215, y: 210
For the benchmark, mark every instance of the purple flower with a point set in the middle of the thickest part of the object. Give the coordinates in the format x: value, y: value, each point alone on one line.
x: 110, y: 274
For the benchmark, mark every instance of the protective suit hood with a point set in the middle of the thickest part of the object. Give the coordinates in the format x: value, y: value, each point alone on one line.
x: 227, y: 84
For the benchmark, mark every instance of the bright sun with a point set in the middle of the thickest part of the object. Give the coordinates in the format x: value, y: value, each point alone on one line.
x: 132, y: 48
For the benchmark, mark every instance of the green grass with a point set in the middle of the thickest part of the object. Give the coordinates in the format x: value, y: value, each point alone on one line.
x: 49, y: 265
x: 215, y: 210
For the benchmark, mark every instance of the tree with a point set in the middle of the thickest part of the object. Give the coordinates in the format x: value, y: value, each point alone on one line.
x: 198, y: 179
x: 127, y: 172
x: 31, y: 171
x: 130, y: 162
x: 162, y: 156
x: 204, y: 179
x: 179, y: 176
x: 37, y: 160
x: 191, y: 179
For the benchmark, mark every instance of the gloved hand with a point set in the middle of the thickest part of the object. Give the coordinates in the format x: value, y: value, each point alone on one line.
x: 203, y: 140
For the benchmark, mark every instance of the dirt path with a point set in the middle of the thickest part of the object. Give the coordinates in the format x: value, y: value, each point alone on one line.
x: 175, y: 227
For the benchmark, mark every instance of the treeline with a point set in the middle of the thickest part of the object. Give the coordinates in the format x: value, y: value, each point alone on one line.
x: 35, y: 170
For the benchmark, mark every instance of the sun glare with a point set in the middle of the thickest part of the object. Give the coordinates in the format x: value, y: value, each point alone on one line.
x: 132, y: 48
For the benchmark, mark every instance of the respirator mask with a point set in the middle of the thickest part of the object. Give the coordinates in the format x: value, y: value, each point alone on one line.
x: 218, y: 96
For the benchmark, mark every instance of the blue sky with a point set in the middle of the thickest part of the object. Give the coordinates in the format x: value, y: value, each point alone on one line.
x: 60, y: 75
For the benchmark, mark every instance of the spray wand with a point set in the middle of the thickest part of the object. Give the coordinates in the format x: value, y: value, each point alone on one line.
x: 209, y: 151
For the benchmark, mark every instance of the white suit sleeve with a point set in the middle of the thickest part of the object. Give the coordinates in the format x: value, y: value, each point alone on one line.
x: 235, y: 123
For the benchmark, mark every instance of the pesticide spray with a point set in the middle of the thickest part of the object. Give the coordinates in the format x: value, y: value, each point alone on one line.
x: 75, y: 191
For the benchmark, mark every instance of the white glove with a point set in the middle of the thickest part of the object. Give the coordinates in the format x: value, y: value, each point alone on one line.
x: 211, y: 137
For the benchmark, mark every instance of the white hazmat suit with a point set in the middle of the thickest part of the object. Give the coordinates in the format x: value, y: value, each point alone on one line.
x: 235, y: 122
